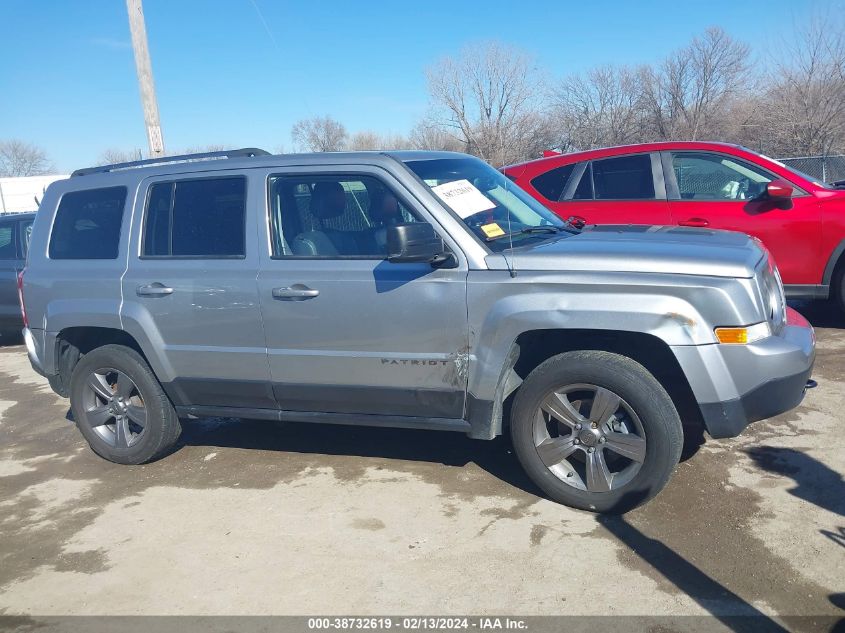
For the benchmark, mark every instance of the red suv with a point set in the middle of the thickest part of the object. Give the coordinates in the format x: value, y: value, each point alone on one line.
x: 715, y: 185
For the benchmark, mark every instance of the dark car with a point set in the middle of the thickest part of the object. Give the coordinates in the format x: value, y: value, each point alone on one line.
x: 15, y: 230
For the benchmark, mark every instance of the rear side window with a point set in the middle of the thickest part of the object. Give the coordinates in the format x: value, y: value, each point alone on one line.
x: 552, y: 183
x: 623, y: 178
x: 87, y: 224
x: 7, y: 241
x: 196, y: 218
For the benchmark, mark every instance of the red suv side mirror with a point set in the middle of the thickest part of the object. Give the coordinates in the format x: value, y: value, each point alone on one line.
x: 779, y: 188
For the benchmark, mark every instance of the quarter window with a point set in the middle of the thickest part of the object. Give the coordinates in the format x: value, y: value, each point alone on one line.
x: 196, y: 218
x: 552, y: 183
x: 87, y: 224
x: 623, y: 178
x: 333, y: 216
x: 703, y: 176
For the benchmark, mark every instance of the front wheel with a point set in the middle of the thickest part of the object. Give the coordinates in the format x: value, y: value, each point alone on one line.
x: 596, y: 431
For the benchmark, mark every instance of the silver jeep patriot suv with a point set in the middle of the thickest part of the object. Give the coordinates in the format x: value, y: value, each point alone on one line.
x: 409, y: 289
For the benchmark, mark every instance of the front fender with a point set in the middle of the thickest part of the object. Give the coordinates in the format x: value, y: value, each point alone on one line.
x: 677, y: 311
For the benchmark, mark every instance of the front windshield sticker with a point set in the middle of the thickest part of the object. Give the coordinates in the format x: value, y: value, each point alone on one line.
x: 463, y: 198
x: 492, y: 230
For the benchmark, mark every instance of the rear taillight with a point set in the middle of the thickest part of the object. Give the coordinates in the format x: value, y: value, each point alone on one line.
x: 20, y: 298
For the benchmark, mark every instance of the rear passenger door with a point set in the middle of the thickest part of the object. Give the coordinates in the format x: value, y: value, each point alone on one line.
x: 617, y: 190
x: 190, y: 288
x: 348, y: 331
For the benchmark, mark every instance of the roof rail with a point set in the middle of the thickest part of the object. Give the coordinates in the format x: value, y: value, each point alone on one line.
x: 184, y: 158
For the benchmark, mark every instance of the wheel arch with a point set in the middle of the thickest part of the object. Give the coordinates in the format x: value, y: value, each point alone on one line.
x: 533, y: 347
x: 72, y: 343
x: 835, y: 263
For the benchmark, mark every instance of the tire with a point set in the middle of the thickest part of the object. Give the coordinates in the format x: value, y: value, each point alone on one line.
x: 611, y: 397
x: 120, y: 407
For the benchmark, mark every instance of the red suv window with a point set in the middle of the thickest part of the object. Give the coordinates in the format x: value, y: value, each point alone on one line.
x: 623, y: 178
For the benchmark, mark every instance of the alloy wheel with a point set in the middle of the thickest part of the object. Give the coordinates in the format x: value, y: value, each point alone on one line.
x: 589, y: 437
x: 114, y: 408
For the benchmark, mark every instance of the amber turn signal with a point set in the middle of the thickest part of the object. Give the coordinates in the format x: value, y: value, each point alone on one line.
x: 742, y: 335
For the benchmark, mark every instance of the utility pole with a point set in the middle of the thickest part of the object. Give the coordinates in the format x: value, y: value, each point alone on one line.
x: 144, y: 68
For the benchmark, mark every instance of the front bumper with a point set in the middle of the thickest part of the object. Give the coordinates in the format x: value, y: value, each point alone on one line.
x: 739, y: 384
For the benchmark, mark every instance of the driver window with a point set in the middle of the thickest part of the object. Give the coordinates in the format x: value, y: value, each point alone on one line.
x: 717, y: 177
x: 333, y: 217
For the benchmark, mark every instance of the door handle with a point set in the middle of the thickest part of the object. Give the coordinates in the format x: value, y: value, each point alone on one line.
x: 296, y: 292
x: 696, y: 222
x: 153, y: 290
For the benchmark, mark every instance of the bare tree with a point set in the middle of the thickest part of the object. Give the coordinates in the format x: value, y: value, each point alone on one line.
x: 489, y: 98
x: 602, y: 107
x: 804, y: 105
x: 432, y: 135
x: 319, y: 134
x: 688, y: 95
x: 369, y: 140
x: 18, y: 158
x: 113, y: 156
x: 201, y: 149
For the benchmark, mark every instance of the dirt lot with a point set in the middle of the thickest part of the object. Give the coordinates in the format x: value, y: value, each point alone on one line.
x: 264, y: 518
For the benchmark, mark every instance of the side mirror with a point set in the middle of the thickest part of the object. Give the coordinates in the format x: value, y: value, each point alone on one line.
x: 576, y: 221
x: 779, y: 189
x: 414, y: 242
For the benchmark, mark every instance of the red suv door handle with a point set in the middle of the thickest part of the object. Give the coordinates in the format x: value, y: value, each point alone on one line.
x: 697, y: 222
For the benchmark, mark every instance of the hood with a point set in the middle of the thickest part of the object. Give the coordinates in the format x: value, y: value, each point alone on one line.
x: 644, y: 249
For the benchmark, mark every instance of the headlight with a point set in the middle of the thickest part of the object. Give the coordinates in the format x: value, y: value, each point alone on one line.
x: 771, y: 289
x: 743, y: 335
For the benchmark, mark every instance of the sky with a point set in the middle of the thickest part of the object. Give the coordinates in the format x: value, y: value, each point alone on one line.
x: 240, y: 73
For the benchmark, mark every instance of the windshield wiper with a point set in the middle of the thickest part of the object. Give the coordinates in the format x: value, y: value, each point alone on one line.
x: 528, y: 229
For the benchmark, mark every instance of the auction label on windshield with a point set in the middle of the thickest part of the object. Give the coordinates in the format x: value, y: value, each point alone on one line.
x: 463, y: 197
x: 492, y: 230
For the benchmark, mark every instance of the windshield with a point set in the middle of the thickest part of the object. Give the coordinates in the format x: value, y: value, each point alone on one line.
x: 496, y: 210
x: 797, y: 172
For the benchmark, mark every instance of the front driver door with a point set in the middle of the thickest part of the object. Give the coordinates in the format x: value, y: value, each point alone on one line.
x: 347, y: 331
x: 720, y: 191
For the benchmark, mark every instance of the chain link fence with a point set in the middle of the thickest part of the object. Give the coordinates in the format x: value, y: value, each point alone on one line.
x: 823, y: 168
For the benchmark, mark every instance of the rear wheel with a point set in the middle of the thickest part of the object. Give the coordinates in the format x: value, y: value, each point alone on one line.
x: 120, y: 407
x: 596, y: 431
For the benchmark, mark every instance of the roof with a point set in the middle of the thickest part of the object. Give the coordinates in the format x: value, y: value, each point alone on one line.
x: 252, y: 157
